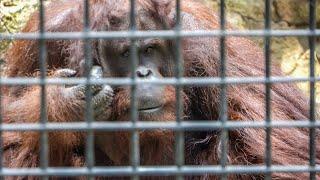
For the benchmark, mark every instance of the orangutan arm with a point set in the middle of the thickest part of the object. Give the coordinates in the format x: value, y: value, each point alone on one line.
x: 64, y: 104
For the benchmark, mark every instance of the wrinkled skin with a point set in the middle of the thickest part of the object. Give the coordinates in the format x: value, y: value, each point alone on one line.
x: 102, y: 95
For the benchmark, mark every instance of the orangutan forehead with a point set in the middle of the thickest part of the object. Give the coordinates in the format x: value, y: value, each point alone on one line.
x: 121, y: 21
x: 146, y: 22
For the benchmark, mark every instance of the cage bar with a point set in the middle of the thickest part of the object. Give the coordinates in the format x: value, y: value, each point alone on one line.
x: 89, y: 151
x: 135, y: 145
x: 164, y: 81
x: 167, y: 34
x: 157, y: 171
x: 223, y: 111
x: 267, y: 54
x: 179, y: 71
x: 312, y: 130
x: 43, y: 98
x: 199, y: 125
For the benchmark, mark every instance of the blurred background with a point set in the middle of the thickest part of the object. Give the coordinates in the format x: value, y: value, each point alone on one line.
x: 291, y: 53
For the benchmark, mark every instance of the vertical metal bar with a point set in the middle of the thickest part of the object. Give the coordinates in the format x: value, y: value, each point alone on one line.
x: 43, y: 100
x: 89, y: 111
x: 267, y: 55
x: 134, y: 146
x: 312, y: 132
x: 223, y: 95
x: 1, y: 120
x: 179, y: 135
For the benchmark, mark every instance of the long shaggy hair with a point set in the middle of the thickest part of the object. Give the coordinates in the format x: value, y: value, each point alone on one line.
x: 246, y: 102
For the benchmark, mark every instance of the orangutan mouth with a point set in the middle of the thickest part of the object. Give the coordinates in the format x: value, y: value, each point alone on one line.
x: 150, y: 109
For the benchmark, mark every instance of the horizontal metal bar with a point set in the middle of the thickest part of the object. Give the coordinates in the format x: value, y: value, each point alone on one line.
x: 128, y: 126
x: 198, y: 81
x: 158, y: 34
x: 157, y: 170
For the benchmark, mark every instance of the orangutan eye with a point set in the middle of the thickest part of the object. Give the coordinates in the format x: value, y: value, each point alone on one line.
x: 149, y: 50
x: 126, y: 53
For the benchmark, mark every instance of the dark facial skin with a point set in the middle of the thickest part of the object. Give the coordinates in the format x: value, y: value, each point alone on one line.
x: 152, y: 54
x: 154, y: 61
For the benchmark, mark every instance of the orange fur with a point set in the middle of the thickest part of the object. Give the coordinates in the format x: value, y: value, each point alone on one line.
x: 201, y: 59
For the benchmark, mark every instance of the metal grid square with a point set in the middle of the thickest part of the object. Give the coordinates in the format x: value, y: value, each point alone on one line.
x: 179, y: 169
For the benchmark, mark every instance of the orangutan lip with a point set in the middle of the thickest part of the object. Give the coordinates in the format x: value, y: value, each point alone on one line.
x: 150, y: 110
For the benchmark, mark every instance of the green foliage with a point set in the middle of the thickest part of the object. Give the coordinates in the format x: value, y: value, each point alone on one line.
x: 13, y: 15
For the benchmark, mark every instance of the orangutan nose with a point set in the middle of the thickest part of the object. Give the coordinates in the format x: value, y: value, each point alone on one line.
x: 144, y: 72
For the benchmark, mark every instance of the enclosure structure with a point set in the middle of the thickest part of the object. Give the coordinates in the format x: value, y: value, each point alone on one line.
x: 179, y: 169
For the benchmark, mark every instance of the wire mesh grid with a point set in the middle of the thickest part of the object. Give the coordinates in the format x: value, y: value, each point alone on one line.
x: 179, y: 126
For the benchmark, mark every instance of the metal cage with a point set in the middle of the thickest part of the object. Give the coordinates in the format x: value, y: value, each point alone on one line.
x: 179, y: 169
